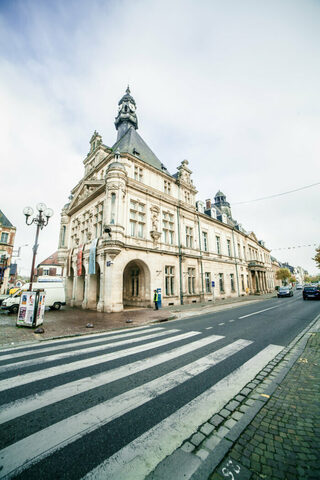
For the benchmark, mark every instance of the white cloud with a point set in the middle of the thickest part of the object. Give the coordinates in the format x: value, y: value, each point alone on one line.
x: 231, y: 86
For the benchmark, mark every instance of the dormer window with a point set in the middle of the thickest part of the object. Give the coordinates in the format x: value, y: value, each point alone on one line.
x: 167, y: 187
x: 138, y: 173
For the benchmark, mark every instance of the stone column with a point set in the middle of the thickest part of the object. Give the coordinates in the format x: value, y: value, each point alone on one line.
x: 102, y: 265
x: 113, y: 285
x: 256, y: 274
x: 74, y: 285
x: 86, y: 283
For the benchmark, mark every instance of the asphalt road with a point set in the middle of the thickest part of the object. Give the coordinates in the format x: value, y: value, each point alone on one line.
x: 113, y: 405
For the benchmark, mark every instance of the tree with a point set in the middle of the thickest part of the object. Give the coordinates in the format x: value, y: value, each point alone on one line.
x: 283, y: 274
x: 292, y: 279
x: 317, y: 257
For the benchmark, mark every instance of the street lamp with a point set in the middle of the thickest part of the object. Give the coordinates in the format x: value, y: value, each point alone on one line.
x: 41, y: 220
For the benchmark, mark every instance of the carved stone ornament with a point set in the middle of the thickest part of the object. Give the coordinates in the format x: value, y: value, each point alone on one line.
x: 155, y: 217
x: 155, y: 235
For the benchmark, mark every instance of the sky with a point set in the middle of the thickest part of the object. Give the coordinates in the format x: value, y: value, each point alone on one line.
x: 233, y: 87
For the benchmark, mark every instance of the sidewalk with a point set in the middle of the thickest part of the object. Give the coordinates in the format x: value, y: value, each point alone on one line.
x: 283, y: 440
x: 73, y: 321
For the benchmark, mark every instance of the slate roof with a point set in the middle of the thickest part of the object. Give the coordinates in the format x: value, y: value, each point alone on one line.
x: 4, y: 221
x: 132, y: 143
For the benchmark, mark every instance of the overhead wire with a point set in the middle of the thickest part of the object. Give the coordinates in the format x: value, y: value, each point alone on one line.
x: 277, y: 194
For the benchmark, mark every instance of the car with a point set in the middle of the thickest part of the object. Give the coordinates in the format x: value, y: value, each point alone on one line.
x: 299, y: 286
x: 311, y: 291
x: 285, y: 291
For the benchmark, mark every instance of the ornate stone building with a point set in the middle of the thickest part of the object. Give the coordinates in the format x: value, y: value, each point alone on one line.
x: 131, y: 227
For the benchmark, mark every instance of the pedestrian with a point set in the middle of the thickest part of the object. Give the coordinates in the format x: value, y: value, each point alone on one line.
x: 155, y: 299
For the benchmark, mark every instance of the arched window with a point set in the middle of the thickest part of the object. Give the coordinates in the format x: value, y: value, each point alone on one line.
x: 113, y: 208
x: 63, y: 235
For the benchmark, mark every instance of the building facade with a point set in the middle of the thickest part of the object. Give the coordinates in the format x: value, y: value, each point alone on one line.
x: 50, y: 267
x: 131, y: 227
x: 7, y: 236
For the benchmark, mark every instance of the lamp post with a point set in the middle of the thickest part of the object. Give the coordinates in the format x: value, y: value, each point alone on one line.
x: 41, y: 220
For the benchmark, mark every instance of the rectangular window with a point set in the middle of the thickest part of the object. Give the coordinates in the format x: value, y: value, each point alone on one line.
x: 239, y: 251
x: 207, y: 278
x: 189, y: 237
x: 138, y: 173
x: 229, y: 247
x: 232, y: 282
x: 167, y: 187
x: 167, y: 227
x: 205, y: 241
x: 242, y: 283
x: 4, y: 237
x: 137, y: 219
x: 244, y: 253
x: 169, y: 280
x: 218, y: 245
x: 221, y: 283
x: 46, y: 271
x: 191, y: 280
x: 187, y: 196
x: 132, y: 228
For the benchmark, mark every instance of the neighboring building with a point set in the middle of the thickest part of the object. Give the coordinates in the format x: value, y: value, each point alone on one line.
x: 50, y: 267
x: 7, y: 235
x: 300, y: 273
x: 131, y: 227
x: 275, y: 267
x: 289, y: 267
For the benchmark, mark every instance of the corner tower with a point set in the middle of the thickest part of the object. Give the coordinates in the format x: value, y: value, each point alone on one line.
x: 220, y: 201
x: 126, y: 117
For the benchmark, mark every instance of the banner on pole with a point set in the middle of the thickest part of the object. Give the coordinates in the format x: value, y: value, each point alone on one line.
x: 79, y: 260
x: 92, y: 257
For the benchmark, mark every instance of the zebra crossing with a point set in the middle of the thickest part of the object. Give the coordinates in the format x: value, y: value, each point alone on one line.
x: 113, y: 405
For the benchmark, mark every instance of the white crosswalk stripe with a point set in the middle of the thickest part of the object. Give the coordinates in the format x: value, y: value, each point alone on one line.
x: 86, y: 395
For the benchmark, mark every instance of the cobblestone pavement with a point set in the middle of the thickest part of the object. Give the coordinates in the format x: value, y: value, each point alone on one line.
x: 283, y: 440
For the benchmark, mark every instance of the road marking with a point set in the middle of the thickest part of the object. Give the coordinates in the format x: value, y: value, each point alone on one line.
x: 221, y: 323
x: 24, y: 453
x: 73, y: 340
x: 260, y: 311
x: 231, y: 320
x: 19, y: 380
x: 48, y: 397
x: 36, y: 350
x: 143, y: 454
x: 76, y: 352
x: 208, y: 328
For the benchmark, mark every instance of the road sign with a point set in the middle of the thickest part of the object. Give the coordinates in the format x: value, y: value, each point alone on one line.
x: 212, y: 284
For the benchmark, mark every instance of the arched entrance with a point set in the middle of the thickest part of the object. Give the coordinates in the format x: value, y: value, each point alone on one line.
x: 136, y: 285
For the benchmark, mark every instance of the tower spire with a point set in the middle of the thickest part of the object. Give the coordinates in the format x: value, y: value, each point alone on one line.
x: 126, y: 117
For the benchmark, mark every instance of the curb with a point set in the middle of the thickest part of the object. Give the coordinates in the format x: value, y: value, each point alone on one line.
x: 200, y: 454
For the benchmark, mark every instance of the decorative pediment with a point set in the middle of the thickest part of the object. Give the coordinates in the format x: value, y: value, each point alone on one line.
x: 253, y: 236
x: 86, y: 190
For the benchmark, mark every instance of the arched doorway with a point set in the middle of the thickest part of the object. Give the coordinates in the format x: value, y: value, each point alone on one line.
x: 136, y: 285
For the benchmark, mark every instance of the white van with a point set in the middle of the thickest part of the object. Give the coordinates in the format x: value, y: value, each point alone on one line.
x: 55, y: 296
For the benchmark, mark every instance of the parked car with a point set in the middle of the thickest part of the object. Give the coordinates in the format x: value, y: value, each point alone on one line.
x: 299, y: 286
x: 285, y: 291
x: 55, y: 296
x: 311, y: 291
